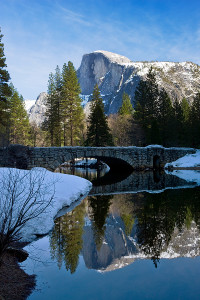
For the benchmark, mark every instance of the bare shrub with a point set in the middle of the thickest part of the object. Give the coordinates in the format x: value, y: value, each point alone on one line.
x: 24, y: 196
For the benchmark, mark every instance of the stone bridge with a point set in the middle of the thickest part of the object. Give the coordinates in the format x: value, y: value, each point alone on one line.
x: 120, y: 158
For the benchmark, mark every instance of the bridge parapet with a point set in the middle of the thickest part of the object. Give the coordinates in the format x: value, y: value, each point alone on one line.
x: 137, y: 158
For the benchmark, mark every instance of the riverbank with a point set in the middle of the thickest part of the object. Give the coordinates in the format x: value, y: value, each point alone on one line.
x: 187, y: 162
x: 14, y: 282
x: 56, y: 191
x: 43, y: 193
x: 187, y: 168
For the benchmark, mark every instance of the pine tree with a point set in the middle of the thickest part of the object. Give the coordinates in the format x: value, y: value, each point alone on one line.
x: 186, y: 109
x: 195, y: 121
x: 153, y: 96
x: 49, y: 122
x: 5, y: 92
x: 177, y: 123
x: 147, y: 97
x: 186, y: 122
x: 19, y: 127
x: 72, y: 111
x: 126, y: 108
x: 141, y: 98
x: 98, y: 133
x: 57, y: 107
x: 165, y: 117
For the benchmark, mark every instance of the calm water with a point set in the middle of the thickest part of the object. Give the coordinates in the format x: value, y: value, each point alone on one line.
x: 122, y: 242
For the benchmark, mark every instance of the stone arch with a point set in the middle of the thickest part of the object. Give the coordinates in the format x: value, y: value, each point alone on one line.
x: 115, y: 164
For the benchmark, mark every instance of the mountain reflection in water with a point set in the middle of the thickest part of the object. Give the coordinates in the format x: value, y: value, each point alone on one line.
x: 111, y: 231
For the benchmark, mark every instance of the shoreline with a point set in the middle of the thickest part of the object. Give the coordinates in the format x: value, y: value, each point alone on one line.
x: 183, y: 168
x: 15, y: 283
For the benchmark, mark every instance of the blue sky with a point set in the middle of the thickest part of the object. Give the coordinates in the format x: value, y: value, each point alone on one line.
x: 40, y: 34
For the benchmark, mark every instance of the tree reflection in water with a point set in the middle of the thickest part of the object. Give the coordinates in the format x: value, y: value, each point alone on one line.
x: 66, y: 238
x: 160, y: 214
x: 151, y: 222
x: 99, y: 211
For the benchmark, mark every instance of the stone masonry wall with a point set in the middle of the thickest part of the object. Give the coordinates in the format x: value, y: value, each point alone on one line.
x: 139, y: 158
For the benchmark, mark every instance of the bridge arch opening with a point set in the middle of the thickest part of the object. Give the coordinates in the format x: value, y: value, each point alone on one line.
x: 156, y: 162
x: 115, y: 164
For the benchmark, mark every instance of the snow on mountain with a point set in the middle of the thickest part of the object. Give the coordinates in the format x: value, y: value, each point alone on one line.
x: 116, y: 74
x: 114, y: 57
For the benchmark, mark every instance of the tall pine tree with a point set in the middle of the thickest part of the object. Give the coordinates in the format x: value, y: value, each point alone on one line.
x: 57, y: 107
x: 5, y: 92
x: 98, y: 133
x: 195, y: 121
x: 177, y: 123
x: 165, y: 117
x: 126, y: 108
x: 19, y: 127
x: 71, y: 109
x: 147, y: 99
x: 50, y: 114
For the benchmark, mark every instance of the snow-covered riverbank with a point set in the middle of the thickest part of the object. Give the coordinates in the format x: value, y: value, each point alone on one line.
x: 189, y: 162
x: 62, y: 188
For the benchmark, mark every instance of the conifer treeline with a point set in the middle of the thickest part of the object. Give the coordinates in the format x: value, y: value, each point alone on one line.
x: 176, y: 124
x: 155, y: 120
x: 64, y: 115
x: 14, y: 123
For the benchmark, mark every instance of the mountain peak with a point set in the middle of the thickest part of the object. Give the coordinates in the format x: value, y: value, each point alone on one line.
x: 114, y: 57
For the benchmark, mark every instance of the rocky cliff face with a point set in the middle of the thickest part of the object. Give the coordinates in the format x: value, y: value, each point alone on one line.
x: 116, y: 74
x: 37, y: 111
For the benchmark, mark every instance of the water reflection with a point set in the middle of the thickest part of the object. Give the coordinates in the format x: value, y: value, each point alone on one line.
x: 89, y: 174
x: 112, y: 231
x: 109, y: 182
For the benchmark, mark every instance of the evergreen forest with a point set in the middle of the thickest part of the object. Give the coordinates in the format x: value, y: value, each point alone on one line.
x: 154, y: 119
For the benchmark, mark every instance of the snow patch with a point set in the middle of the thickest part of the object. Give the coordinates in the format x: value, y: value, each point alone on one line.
x: 64, y: 188
x: 188, y: 161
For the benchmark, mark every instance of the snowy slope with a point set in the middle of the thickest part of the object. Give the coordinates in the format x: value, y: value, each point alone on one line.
x: 65, y: 189
x: 188, y: 161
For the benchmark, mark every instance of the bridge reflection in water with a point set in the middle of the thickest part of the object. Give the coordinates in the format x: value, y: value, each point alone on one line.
x: 121, y: 225
x: 114, y: 182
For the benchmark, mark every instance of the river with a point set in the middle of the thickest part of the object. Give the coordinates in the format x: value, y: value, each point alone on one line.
x: 134, y: 237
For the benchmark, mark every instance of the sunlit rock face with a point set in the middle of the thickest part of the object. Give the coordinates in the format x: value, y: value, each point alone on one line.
x: 37, y: 111
x: 116, y: 74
